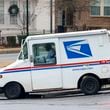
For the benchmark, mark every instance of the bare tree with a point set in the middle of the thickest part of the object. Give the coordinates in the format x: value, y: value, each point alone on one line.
x: 22, y: 18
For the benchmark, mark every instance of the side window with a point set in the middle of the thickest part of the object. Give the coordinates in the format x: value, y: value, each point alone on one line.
x: 24, y: 53
x: 44, y: 54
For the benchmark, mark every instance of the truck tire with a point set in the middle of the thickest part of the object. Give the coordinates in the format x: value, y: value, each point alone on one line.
x: 89, y: 85
x: 13, y: 90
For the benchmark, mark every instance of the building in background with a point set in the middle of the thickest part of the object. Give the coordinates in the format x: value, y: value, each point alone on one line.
x: 13, y: 19
x: 45, y: 16
x: 73, y: 15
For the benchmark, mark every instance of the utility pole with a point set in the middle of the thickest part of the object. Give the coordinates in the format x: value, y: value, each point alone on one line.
x: 27, y: 18
x: 51, y: 16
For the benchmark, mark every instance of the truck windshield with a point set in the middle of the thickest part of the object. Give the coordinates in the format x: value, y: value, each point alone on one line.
x: 24, y: 52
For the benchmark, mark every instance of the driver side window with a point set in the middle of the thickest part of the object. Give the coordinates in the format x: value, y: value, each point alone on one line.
x: 44, y: 54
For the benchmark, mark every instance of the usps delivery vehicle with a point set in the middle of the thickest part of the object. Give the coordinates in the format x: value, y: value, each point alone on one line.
x: 64, y: 61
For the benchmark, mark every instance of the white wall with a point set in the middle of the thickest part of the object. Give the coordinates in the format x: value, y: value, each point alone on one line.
x: 41, y: 10
x: 16, y: 29
x: 43, y: 16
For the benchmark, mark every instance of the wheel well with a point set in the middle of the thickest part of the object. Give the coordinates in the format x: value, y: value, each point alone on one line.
x: 17, y: 83
x: 88, y: 74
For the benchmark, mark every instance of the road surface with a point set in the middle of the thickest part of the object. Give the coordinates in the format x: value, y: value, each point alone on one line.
x: 68, y: 102
x: 6, y: 59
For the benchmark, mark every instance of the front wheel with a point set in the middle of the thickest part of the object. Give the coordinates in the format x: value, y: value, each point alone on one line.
x: 13, y: 90
x: 89, y: 85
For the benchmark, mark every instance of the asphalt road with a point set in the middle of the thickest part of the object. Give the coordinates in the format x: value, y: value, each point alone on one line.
x: 100, y: 101
x: 4, y: 57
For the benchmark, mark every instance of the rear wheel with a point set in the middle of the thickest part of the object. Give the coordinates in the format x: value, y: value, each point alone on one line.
x: 13, y: 90
x: 89, y: 85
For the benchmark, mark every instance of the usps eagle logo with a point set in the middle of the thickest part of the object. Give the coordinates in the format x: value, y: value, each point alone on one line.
x: 77, y: 49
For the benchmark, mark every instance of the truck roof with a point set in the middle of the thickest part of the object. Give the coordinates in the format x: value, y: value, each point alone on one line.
x: 68, y: 34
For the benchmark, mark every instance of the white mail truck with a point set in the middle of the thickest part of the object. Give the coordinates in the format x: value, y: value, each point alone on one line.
x: 63, y: 61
